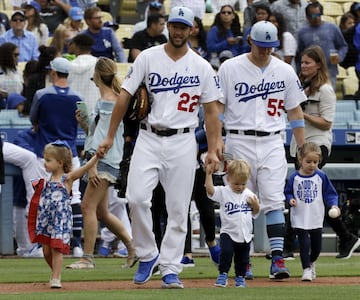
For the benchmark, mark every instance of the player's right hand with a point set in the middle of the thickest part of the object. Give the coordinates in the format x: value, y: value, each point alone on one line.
x: 104, y: 147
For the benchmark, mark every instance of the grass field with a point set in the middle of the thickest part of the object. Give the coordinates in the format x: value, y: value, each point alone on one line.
x: 14, y: 270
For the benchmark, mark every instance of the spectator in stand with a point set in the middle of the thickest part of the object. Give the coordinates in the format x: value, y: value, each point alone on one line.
x: 225, y: 33
x: 61, y: 39
x: 34, y: 22
x: 74, y: 22
x: 17, y: 4
x: 197, y: 7
x: 293, y: 12
x: 53, y: 116
x: 106, y: 43
x: 347, y: 21
x: 355, y: 9
x: 38, y: 78
x: 154, y: 7
x: 149, y: 37
x: 25, y: 40
x: 4, y: 23
x: 262, y: 13
x: 82, y: 70
x: 288, y: 44
x: 10, y: 78
x: 325, y: 34
x: 197, y: 39
x: 54, y: 12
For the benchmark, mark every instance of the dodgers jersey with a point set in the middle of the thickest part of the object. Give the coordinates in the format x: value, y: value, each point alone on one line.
x: 255, y: 98
x: 235, y: 214
x: 176, y: 88
x: 311, y: 193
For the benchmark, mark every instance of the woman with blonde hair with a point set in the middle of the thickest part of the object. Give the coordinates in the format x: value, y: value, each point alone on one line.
x: 95, y: 200
x: 61, y: 39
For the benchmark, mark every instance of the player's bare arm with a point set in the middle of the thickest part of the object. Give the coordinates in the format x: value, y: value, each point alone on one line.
x: 296, y: 114
x: 117, y: 115
x: 209, y: 184
x: 213, y: 134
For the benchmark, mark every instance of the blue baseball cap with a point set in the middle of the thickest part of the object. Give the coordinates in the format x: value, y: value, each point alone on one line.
x: 13, y: 100
x: 76, y: 13
x: 32, y: 4
x: 60, y: 143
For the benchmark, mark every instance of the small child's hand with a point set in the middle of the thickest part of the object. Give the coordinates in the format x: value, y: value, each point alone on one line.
x: 209, y: 169
x: 292, y: 202
x: 252, y: 200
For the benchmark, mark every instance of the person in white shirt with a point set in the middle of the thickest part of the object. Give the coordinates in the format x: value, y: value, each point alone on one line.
x: 82, y: 70
x: 238, y: 206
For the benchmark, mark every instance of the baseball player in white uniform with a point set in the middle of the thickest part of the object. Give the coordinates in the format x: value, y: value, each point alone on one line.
x: 178, y: 80
x: 258, y: 88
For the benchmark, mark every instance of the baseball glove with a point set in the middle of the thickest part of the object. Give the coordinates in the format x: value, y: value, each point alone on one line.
x: 139, y: 106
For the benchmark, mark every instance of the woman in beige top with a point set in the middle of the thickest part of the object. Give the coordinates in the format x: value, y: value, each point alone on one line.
x: 319, y: 109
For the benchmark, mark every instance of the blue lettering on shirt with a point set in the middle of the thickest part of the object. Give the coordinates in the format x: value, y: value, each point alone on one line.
x: 247, y: 92
x: 159, y: 84
x: 233, y: 208
x: 307, y: 191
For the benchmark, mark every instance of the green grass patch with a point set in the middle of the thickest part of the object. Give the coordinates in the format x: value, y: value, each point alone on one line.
x: 16, y: 270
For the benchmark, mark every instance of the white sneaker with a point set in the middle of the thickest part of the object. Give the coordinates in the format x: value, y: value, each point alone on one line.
x: 36, y: 251
x: 78, y: 252
x: 306, y: 275
x: 55, y: 283
x: 313, y: 270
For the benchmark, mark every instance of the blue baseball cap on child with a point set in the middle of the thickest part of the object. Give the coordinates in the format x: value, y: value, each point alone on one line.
x: 60, y: 143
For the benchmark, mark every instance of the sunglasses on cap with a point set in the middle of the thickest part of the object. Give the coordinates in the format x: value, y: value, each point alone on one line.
x: 155, y: 4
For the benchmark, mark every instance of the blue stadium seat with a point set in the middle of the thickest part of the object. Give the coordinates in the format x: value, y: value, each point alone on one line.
x: 354, y: 124
x: 345, y: 105
x: 20, y: 122
x: 357, y: 115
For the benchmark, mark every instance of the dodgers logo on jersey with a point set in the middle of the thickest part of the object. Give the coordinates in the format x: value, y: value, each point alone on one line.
x: 247, y: 92
x: 307, y: 191
x: 158, y: 84
x: 233, y: 208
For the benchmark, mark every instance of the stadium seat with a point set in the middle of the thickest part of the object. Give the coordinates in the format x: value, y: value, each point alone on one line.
x: 346, y: 6
x: 208, y: 20
x: 329, y: 19
x: 342, y: 118
x: 350, y: 87
x: 125, y: 31
x: 20, y: 122
x: 346, y: 106
x: 354, y: 125
x: 357, y: 115
x: 123, y: 69
x: 333, y: 9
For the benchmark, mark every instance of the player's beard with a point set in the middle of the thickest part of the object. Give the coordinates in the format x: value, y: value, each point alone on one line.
x: 175, y: 45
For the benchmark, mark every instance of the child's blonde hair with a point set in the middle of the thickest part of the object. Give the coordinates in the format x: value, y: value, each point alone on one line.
x: 239, y: 168
x: 60, y: 153
x: 307, y: 148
